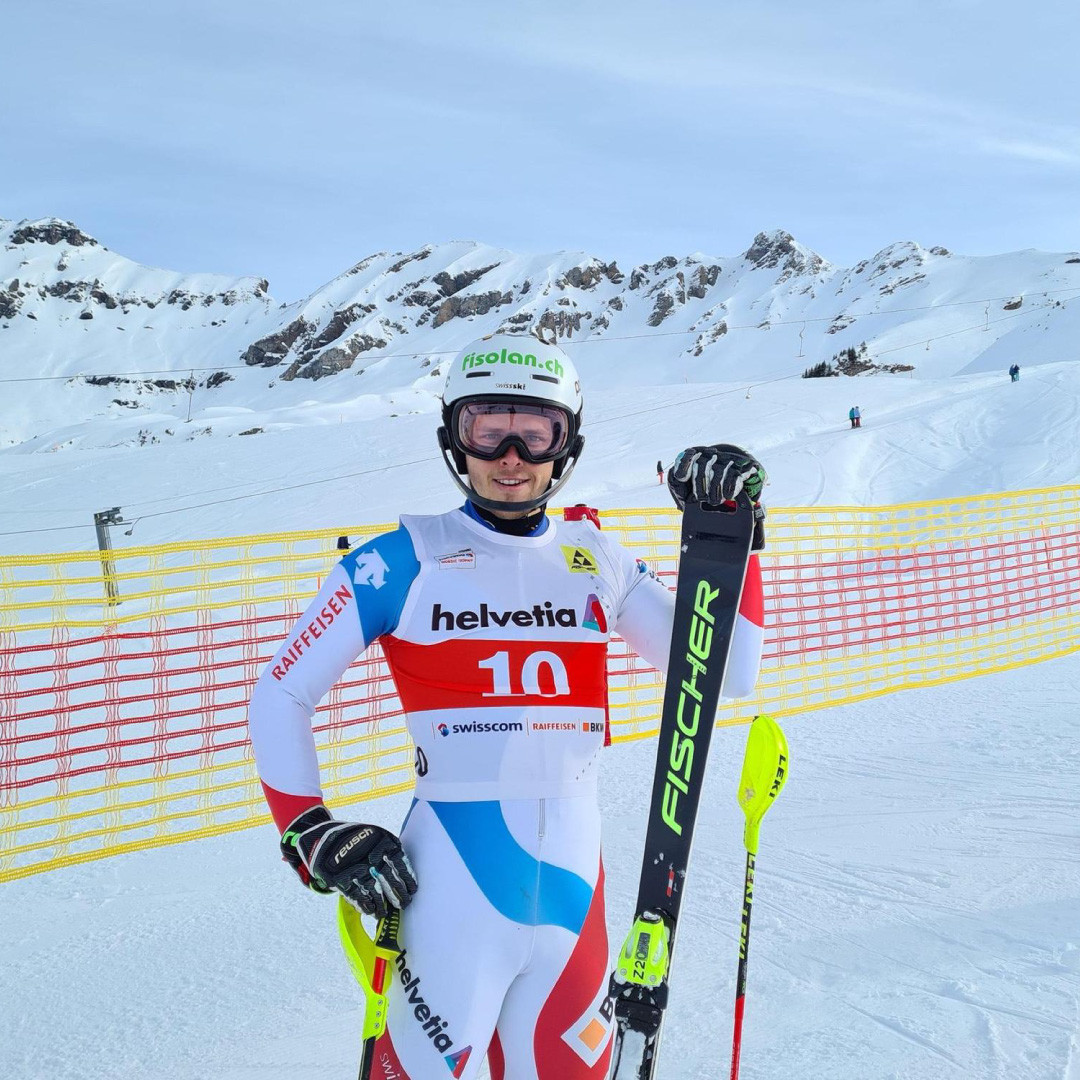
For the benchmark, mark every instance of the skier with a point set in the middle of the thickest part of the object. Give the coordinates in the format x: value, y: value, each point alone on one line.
x: 494, y: 619
x: 854, y: 416
x: 660, y: 471
x: 1014, y: 373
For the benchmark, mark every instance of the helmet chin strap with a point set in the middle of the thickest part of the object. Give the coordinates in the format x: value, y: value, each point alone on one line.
x: 513, y: 507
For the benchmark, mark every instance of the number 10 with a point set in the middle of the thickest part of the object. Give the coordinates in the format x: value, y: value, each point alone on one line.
x: 499, y: 665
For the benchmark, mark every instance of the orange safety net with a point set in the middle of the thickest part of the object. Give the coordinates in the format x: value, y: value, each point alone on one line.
x: 125, y: 676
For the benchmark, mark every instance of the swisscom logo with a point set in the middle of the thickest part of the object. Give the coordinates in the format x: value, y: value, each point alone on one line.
x: 478, y: 727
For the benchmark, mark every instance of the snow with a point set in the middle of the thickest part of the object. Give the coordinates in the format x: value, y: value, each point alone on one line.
x: 916, y: 917
x: 328, y: 461
x: 917, y: 902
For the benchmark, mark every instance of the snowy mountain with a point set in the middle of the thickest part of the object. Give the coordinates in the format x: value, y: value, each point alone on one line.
x: 163, y: 355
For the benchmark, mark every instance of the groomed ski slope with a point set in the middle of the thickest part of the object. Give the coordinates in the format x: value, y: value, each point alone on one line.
x: 916, y: 917
x: 329, y: 464
x: 917, y: 909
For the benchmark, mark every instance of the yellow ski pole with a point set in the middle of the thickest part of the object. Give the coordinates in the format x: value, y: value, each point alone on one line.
x: 371, y: 963
x: 765, y: 768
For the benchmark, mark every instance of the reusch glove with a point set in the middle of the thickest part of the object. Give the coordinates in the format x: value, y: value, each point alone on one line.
x: 717, y: 474
x: 364, y: 863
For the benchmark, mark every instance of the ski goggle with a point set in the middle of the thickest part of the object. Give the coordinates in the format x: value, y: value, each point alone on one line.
x: 487, y: 429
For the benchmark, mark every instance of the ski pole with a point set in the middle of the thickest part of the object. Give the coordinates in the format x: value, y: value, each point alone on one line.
x: 765, y: 768
x: 370, y: 962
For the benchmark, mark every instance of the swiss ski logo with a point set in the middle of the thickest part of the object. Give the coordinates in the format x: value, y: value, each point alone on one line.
x: 579, y: 560
x: 370, y: 569
x: 462, y: 559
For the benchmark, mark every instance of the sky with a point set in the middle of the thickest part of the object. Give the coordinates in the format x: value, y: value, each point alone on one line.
x: 288, y: 143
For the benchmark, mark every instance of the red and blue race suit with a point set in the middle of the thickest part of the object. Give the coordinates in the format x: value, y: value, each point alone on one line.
x: 497, y: 645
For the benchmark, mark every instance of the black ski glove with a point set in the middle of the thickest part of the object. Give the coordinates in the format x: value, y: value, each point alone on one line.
x: 363, y: 862
x: 717, y: 474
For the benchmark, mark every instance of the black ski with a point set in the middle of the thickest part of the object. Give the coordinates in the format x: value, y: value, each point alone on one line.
x: 712, y: 567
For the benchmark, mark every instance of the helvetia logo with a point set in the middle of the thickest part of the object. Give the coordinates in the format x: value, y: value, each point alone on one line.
x: 456, y: 1062
x: 434, y: 1026
x: 542, y: 614
x: 595, y: 619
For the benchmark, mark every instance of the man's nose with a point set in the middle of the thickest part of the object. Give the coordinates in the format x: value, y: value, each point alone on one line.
x: 511, y: 455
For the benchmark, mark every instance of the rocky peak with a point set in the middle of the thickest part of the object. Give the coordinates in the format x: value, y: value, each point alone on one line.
x: 780, y: 250
x: 589, y: 275
x: 900, y: 253
x: 51, y: 231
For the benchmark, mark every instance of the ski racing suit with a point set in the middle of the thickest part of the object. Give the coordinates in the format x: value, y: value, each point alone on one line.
x: 497, y: 645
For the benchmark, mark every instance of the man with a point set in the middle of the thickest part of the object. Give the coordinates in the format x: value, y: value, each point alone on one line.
x: 494, y: 619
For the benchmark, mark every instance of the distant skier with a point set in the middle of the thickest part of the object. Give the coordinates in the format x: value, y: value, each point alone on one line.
x: 660, y: 471
x: 1014, y: 373
x: 855, y: 416
x: 494, y: 620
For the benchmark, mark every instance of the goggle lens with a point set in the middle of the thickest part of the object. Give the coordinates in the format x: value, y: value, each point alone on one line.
x: 540, y: 432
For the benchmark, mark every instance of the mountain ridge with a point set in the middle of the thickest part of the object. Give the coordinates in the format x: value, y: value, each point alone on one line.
x: 72, y: 312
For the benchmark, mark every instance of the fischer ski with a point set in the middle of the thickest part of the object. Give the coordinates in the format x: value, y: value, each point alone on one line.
x: 715, y: 550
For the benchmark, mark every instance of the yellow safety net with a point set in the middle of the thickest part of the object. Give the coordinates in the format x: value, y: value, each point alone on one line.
x: 125, y: 676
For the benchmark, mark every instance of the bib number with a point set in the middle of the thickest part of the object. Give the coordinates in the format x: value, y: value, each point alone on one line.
x: 537, y: 667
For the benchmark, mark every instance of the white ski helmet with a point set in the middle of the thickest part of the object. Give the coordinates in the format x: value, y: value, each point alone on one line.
x: 512, y: 374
